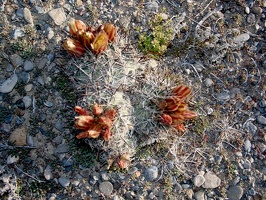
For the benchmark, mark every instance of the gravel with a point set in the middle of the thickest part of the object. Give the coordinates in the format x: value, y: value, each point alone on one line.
x: 217, y: 49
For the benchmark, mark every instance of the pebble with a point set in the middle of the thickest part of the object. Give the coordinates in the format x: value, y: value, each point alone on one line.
x: 223, y: 96
x: 9, y: 68
x: 48, y: 175
x: 208, y: 82
x: 251, y: 128
x: 28, y: 66
x: 257, y: 10
x: 19, y: 13
x: 251, y: 19
x: 30, y: 141
x: 42, y: 63
x: 12, y: 159
x: 235, y: 193
x: 106, y: 188
x: 19, y: 136
x: 23, y: 77
x: 16, y: 60
x: 49, y: 33
x: 40, y: 80
x: 20, y: 104
x: 58, y: 15
x: 247, y: 164
x: 39, y: 10
x: 27, y: 100
x: 60, y: 126
x: 261, y: 120
x: 151, y: 173
x: 252, y: 192
x: 48, y: 104
x: 17, y: 33
x: 132, y: 170
x: 200, y: 195
x: 211, y: 180
x: 20, y: 120
x: 105, y: 176
x: 27, y: 15
x: 9, y: 84
x: 28, y: 87
x: 262, y: 103
x: 247, y: 10
x: 247, y: 145
x: 62, y: 148
x: 241, y: 38
x: 198, y: 180
x: 64, y: 181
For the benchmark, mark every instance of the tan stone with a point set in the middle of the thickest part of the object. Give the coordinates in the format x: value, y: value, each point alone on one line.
x: 19, y: 136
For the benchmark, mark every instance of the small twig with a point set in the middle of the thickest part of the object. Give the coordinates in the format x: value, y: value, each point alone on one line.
x: 39, y: 181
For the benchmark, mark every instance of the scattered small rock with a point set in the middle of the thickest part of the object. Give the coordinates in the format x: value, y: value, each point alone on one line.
x: 48, y: 175
x: 27, y: 100
x: 211, y: 180
x: 242, y: 38
x: 198, y: 180
x: 64, y: 181
x: 17, y: 33
x: 58, y: 15
x: 151, y: 173
x: 208, y: 82
x: 23, y: 77
x: 9, y: 84
x: 28, y: 66
x: 200, y: 195
x: 106, y: 188
x: 16, y: 60
x: 28, y: 87
x: 19, y: 136
x: 247, y: 145
x: 235, y: 193
x: 261, y: 120
x: 27, y: 15
x: 12, y: 159
x: 59, y: 125
x: 62, y: 148
x: 224, y: 96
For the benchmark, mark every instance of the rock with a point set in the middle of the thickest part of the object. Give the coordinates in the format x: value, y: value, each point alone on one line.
x: 208, y: 82
x: 62, y: 148
x: 64, y: 181
x: 20, y: 104
x: 151, y: 173
x: 106, y: 188
x: 60, y: 126
x: 27, y: 15
x: 247, y: 10
x: 42, y: 63
x: 200, y: 195
x: 198, y: 180
x: 261, y: 120
x: 27, y: 101
x: 241, y: 38
x: 9, y: 68
x: 49, y: 33
x: 235, y: 193
x: 12, y: 159
x: 19, y: 136
x: 19, y: 13
x: 132, y: 170
x: 257, y: 10
x: 40, y: 80
x: 9, y: 84
x: 251, y: 128
x: 39, y: 10
x: 262, y: 103
x: 105, y: 176
x: 211, y: 180
x: 28, y: 66
x: 17, y: 33
x: 251, y: 19
x: 58, y: 15
x: 23, y: 77
x: 224, y: 96
x: 247, y: 145
x: 247, y: 164
x: 48, y: 104
x: 28, y: 87
x: 48, y: 173
x: 30, y: 141
x: 16, y: 60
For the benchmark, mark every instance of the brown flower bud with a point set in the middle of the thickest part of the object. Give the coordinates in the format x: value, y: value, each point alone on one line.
x: 100, y: 43
x: 87, y: 39
x: 75, y: 26
x: 110, y: 30
x: 74, y: 47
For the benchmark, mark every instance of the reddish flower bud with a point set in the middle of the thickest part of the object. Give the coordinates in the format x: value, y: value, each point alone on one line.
x: 75, y: 26
x: 87, y: 39
x: 110, y: 30
x: 166, y: 119
x: 181, y: 91
x: 73, y: 47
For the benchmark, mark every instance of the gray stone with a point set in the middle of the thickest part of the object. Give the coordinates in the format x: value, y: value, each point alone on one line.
x: 200, y: 195
x: 251, y: 19
x: 42, y: 63
x: 9, y: 68
x: 224, y: 96
x: 48, y: 175
x: 235, y: 193
x: 105, y: 176
x: 247, y: 145
x: 16, y: 60
x: 39, y: 10
x: 257, y: 10
x: 62, y: 148
x: 27, y: 101
x: 198, y: 180
x: 64, y: 181
x: 28, y: 66
x: 17, y: 33
x: 40, y: 80
x: 261, y: 120
x: 241, y: 38
x: 12, y: 159
x: 251, y: 128
x: 208, y: 82
x: 59, y: 125
x: 247, y: 164
x: 27, y: 15
x: 252, y: 192
x: 23, y: 77
x: 106, y: 188
x: 58, y: 15
x: 132, y: 170
x: 151, y: 173
x: 9, y: 84
x: 85, y: 173
x: 48, y: 104
x: 49, y: 33
x: 28, y: 87
x: 262, y: 103
x: 211, y: 180
x: 30, y: 141
x: 19, y: 13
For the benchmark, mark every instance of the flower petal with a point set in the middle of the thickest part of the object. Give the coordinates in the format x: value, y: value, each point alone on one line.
x: 100, y: 43
x: 74, y: 47
x: 110, y: 30
x: 83, y: 122
x: 97, y: 110
x: 123, y: 161
x: 181, y: 91
x: 76, y: 25
x: 110, y: 113
x: 81, y: 111
x: 189, y: 114
x: 106, y: 134
x: 87, y: 39
x: 94, y: 132
x: 180, y: 127
x: 166, y: 119
x: 105, y: 122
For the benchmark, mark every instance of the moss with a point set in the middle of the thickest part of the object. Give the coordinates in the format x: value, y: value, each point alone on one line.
x: 156, y: 43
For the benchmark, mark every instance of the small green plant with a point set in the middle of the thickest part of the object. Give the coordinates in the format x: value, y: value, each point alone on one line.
x: 24, y: 49
x: 155, y: 44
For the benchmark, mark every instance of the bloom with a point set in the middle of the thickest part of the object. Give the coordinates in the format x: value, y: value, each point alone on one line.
x: 75, y: 26
x: 100, y: 43
x: 110, y: 30
x: 74, y: 47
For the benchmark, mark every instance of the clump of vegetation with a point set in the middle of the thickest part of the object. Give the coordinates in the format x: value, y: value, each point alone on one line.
x: 24, y: 48
x: 155, y: 44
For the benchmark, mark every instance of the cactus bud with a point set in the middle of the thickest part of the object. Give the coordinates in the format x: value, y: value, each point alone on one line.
x: 110, y: 30
x: 74, y: 47
x: 87, y: 39
x: 100, y: 43
x: 75, y: 26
